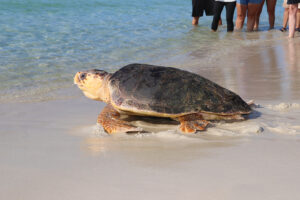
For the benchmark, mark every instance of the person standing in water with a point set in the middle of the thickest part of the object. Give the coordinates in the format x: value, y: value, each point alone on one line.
x: 199, y: 6
x: 286, y: 17
x: 271, y: 12
x: 249, y: 8
x: 230, y: 7
x: 293, y: 7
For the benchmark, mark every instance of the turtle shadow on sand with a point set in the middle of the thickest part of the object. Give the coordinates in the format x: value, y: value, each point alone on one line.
x: 253, y: 115
x: 152, y: 120
x: 151, y: 124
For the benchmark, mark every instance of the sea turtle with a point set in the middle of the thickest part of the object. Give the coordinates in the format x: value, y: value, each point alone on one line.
x: 148, y: 90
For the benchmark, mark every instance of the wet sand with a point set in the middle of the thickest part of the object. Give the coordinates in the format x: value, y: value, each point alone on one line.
x: 55, y: 150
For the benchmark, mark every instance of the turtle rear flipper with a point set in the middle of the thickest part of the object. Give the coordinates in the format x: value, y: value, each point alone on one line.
x: 109, y: 118
x: 192, y: 123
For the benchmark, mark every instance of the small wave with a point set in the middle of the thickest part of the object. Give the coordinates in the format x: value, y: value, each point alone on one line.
x: 284, y: 106
x: 236, y: 129
x: 172, y: 135
x: 285, y: 129
x: 92, y: 130
x: 98, y: 130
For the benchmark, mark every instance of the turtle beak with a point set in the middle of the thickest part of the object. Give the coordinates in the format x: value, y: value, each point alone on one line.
x: 76, y: 78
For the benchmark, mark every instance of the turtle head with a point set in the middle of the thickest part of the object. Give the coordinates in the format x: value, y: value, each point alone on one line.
x: 93, y: 84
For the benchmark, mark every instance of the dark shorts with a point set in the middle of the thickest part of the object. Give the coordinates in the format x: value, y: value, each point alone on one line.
x: 293, y: 2
x: 201, y: 6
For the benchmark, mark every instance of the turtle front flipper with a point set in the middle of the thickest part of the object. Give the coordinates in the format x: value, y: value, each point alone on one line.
x: 110, y: 120
x: 191, y: 123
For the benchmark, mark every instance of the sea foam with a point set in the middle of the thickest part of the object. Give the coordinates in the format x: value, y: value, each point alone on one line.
x: 284, y: 106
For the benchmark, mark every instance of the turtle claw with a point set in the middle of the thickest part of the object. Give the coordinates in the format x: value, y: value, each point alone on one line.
x: 121, y: 128
x: 201, y: 124
x: 193, y: 126
x: 192, y: 123
x: 187, y: 127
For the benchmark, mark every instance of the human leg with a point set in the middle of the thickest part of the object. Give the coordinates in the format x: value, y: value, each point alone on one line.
x: 241, y: 14
x: 217, y: 13
x: 285, y: 19
x: 252, y: 11
x: 230, y: 7
x: 257, y: 16
x: 292, y: 19
x: 298, y: 20
x: 271, y: 12
x: 197, y: 10
x: 195, y: 21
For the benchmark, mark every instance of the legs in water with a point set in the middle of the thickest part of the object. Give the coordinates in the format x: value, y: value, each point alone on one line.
x: 285, y: 19
x: 218, y: 10
x: 292, y: 19
x: 257, y: 16
x: 201, y: 6
x: 230, y: 7
x: 298, y: 20
x: 241, y: 14
x: 197, y: 10
x: 195, y: 21
x: 220, y: 21
x: 252, y: 11
x: 271, y: 12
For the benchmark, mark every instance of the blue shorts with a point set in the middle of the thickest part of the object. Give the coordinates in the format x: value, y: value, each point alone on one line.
x: 246, y: 2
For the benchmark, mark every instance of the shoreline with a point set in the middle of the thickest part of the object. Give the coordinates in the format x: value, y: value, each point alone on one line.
x: 54, y: 149
x: 262, y: 56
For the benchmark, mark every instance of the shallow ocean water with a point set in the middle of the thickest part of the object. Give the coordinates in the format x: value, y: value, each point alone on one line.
x: 43, y: 43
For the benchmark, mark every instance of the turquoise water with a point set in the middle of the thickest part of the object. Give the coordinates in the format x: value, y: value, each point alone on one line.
x: 44, y: 42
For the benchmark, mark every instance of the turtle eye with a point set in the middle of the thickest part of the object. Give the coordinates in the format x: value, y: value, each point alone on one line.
x: 82, y: 76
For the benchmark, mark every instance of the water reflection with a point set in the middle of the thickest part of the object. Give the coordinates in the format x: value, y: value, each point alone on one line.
x: 292, y: 55
x: 261, y: 66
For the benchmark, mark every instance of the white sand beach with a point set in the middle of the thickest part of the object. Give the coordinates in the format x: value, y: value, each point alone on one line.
x: 55, y: 150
